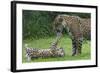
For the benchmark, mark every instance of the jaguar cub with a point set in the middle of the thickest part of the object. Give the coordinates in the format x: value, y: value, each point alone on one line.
x: 53, y: 51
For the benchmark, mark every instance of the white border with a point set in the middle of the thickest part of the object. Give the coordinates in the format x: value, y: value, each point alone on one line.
x: 19, y: 63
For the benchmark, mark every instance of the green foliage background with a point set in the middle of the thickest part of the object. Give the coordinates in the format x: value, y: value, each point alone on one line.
x: 38, y: 24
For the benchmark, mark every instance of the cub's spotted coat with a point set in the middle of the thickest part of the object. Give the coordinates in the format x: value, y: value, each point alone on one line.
x: 53, y: 51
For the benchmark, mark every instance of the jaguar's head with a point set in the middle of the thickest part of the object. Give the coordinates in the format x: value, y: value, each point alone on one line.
x: 57, y: 25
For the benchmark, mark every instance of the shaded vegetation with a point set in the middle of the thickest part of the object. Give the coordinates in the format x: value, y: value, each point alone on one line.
x: 38, y: 24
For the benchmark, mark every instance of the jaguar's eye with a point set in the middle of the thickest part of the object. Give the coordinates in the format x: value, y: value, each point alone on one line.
x: 58, y: 30
x: 60, y: 19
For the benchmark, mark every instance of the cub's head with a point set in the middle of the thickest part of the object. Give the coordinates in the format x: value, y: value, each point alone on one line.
x: 60, y: 52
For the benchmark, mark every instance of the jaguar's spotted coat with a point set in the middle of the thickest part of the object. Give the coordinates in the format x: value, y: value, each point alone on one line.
x: 76, y: 27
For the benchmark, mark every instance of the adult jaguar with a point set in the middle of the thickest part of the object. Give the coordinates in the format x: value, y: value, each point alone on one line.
x: 77, y: 28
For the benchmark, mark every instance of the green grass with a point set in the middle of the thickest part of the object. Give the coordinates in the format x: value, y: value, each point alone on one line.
x: 65, y: 42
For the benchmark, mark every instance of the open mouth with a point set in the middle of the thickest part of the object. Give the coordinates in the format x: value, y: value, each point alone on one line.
x: 59, y: 33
